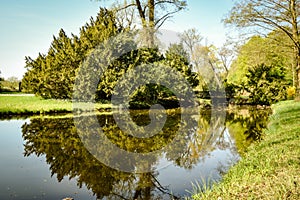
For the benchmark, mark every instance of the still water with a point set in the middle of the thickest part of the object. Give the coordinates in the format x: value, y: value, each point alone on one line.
x: 44, y: 158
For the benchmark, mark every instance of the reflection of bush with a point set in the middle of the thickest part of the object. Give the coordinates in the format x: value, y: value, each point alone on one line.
x: 247, y: 125
x: 58, y: 140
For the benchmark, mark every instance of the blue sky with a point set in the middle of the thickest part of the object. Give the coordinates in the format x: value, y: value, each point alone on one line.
x: 28, y: 26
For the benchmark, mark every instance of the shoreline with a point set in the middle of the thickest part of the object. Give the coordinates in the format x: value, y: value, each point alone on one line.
x: 270, y: 168
x: 27, y: 105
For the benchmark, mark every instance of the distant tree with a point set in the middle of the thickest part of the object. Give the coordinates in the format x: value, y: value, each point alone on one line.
x: 190, y: 38
x: 208, y: 65
x: 10, y: 84
x: 12, y: 79
x: 205, y: 59
x: 226, y: 54
x: 269, y: 15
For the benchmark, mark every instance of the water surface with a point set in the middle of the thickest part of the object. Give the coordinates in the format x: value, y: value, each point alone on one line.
x: 44, y: 158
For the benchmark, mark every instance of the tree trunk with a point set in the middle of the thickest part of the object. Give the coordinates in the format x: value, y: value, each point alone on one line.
x: 297, y: 71
x: 141, y: 12
x: 296, y: 40
x: 151, y: 23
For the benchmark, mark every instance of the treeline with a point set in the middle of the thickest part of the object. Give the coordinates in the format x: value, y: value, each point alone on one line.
x: 260, y: 71
x: 52, y: 75
x: 11, y: 84
x: 263, y: 70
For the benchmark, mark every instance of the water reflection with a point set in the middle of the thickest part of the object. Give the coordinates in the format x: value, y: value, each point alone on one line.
x: 246, y: 125
x: 58, y: 141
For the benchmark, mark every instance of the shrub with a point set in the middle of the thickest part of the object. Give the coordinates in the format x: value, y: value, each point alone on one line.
x: 291, y: 92
x: 266, y: 84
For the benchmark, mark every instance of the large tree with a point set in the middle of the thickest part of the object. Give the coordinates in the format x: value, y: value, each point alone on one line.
x: 53, y: 75
x: 262, y: 50
x: 190, y: 39
x: 152, y: 13
x: 267, y: 15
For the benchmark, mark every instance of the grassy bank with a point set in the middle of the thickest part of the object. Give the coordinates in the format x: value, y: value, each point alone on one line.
x: 270, y: 169
x: 19, y: 105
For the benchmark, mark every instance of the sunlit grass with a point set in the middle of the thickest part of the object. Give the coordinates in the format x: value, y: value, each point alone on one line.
x: 37, y: 105
x: 270, y: 169
x: 201, y: 186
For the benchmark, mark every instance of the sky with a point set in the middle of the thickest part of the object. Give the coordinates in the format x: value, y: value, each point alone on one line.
x: 28, y: 26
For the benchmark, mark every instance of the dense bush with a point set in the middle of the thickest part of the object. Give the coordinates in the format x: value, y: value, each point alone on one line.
x: 53, y: 75
x: 265, y: 84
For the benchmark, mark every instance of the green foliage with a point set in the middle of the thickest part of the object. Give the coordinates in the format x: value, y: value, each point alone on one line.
x: 291, y: 92
x: 262, y: 50
x: 230, y: 89
x: 176, y: 58
x: 121, y: 65
x: 53, y: 75
x: 266, y: 15
x: 263, y: 68
x: 269, y: 169
x: 266, y: 84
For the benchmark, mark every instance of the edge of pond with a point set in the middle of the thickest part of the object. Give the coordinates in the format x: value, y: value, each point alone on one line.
x: 260, y: 172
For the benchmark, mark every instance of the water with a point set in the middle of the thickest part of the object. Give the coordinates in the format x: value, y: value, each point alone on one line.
x: 44, y: 158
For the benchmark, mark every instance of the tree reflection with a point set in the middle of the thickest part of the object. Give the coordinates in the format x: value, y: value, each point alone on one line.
x: 57, y: 139
x: 253, y: 120
x: 246, y: 125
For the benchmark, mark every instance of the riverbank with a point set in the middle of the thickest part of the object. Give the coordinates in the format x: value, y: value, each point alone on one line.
x: 270, y: 169
x: 28, y: 104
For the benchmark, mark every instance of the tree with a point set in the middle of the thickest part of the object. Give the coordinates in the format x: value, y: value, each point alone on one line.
x: 177, y: 57
x: 153, y: 13
x: 121, y: 65
x: 190, y: 39
x: 259, y: 50
x: 268, y: 15
x: 266, y: 84
x: 53, y: 75
x: 226, y: 54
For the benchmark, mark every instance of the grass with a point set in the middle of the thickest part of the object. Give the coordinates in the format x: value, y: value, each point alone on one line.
x: 271, y: 168
x: 26, y: 105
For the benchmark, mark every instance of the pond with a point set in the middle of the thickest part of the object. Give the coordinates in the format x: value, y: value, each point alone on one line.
x: 47, y: 158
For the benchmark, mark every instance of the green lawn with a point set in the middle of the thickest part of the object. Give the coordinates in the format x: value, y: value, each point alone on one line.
x: 271, y: 168
x: 12, y: 104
